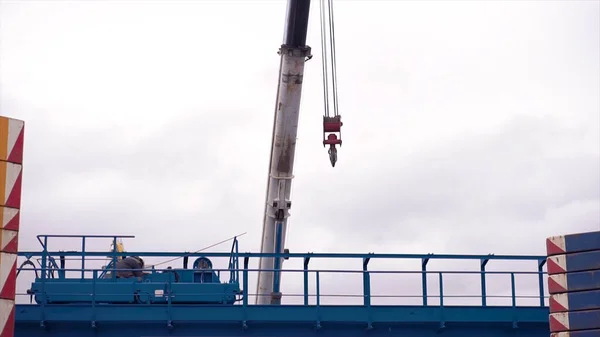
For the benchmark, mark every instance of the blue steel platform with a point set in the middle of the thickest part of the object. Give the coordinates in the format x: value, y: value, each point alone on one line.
x: 245, y: 319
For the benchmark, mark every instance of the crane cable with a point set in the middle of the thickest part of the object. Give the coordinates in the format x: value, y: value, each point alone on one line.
x: 200, y: 250
x: 327, y: 20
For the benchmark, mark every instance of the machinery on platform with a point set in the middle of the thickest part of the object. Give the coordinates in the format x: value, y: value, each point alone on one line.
x: 201, y: 284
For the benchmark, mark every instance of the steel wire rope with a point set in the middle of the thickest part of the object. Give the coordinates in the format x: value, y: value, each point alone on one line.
x: 333, y: 59
x: 324, y: 57
x: 201, y: 250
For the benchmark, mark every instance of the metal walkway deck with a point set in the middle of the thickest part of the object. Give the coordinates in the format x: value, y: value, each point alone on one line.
x: 316, y: 311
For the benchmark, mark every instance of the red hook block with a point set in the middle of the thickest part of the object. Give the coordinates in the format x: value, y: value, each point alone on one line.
x: 332, y: 125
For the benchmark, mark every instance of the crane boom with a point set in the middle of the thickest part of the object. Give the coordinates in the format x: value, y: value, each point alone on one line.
x: 294, y: 53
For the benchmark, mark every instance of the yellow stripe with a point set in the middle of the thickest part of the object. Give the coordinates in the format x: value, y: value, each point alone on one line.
x: 3, y: 169
x: 2, y: 217
x: 4, y: 137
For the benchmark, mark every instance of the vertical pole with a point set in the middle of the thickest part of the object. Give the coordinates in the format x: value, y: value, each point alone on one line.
x: 424, y: 279
x: 513, y: 293
x: 483, y: 286
x: 11, y: 168
x: 541, y: 264
x: 83, y: 257
x: 366, y: 283
x: 113, y: 273
x: 306, y: 261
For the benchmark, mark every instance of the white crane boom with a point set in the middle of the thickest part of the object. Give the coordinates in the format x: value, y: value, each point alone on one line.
x: 294, y: 53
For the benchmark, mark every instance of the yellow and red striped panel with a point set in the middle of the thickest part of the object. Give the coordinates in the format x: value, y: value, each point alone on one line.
x: 11, y: 160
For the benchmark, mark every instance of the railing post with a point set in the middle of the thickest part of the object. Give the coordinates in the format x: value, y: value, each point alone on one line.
x: 541, y: 264
x: 318, y: 308
x: 83, y: 257
x: 94, y: 277
x: 483, y: 287
x: 424, y: 279
x: 514, y: 298
x: 366, y: 282
x: 245, y: 282
x: 245, y: 291
x: 367, y: 291
x: 318, y: 288
x: 44, y: 258
x: 306, y: 261
x: 512, y: 290
x: 113, y: 272
x: 169, y: 294
x: 442, y: 320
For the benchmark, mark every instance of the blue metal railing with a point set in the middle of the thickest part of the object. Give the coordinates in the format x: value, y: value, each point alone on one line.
x: 49, y: 265
x: 319, y: 295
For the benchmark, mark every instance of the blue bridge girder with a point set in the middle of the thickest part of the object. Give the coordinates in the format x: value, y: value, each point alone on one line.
x: 310, y: 317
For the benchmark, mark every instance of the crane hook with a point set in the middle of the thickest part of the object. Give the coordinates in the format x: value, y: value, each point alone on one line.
x: 332, y: 127
x: 332, y: 155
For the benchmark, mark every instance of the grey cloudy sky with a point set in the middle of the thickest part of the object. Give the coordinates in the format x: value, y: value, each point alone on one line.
x: 469, y: 127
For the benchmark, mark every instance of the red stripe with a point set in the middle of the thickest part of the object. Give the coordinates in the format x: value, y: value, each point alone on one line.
x: 556, y: 326
x: 553, y: 249
x: 556, y: 307
x: 13, y: 224
x: 12, y: 246
x: 555, y: 287
x: 9, y: 289
x: 554, y: 268
x: 16, y: 155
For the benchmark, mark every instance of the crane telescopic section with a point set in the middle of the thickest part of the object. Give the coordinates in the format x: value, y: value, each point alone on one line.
x: 294, y: 52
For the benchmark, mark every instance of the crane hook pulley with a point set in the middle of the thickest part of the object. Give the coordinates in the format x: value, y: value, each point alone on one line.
x: 332, y: 121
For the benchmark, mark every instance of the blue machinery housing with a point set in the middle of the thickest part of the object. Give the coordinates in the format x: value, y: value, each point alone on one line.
x: 204, y: 301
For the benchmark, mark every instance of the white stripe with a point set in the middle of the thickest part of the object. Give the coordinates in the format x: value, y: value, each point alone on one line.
x: 559, y: 241
x: 12, y: 173
x: 9, y: 214
x: 6, y: 307
x: 561, y: 299
x: 562, y: 318
x: 7, y: 261
x: 560, y: 279
x: 7, y: 237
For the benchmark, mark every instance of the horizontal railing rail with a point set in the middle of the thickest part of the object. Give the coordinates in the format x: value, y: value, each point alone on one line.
x: 318, y: 295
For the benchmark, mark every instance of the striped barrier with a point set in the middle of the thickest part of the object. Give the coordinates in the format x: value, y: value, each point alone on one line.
x: 560, y: 264
x: 571, y: 282
x: 584, y: 333
x: 573, y: 243
x: 583, y: 300
x: 11, y: 160
x: 575, y: 320
x: 574, y: 284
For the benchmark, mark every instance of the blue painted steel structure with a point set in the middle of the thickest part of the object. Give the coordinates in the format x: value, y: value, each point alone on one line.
x: 306, y: 319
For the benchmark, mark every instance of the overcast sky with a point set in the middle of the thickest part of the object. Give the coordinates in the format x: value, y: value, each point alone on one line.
x: 469, y: 127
